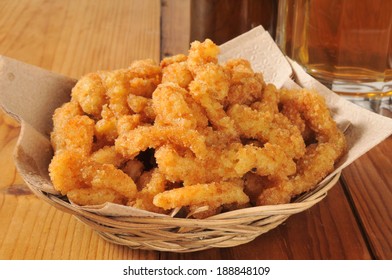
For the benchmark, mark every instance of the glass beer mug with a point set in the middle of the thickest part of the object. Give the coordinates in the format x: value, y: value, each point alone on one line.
x: 345, y: 44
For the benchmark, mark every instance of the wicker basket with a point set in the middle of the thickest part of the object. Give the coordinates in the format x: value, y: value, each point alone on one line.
x: 164, y: 233
x: 187, y: 235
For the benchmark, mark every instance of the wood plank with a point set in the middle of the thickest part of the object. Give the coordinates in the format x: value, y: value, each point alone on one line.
x: 9, y: 132
x: 71, y: 38
x: 222, y: 20
x: 184, y: 21
x: 175, y: 27
x: 369, y: 183
x: 328, y: 230
x: 76, y: 37
x: 32, y: 229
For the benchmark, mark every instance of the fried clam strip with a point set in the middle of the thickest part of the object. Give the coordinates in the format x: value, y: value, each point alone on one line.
x: 142, y: 87
x: 117, y: 89
x: 146, y: 69
x: 133, y: 168
x: 202, y: 53
x: 258, y: 188
x: 319, y: 158
x: 76, y: 133
x: 245, y: 85
x: 67, y: 111
x: 314, y: 110
x: 268, y: 127
x: 71, y: 171
x: 177, y: 73
x: 109, y: 127
x: 64, y: 171
x: 317, y: 163
x: 166, y: 61
x: 90, y: 196
x: 108, y: 155
x: 106, y: 176
x: 210, y: 88
x: 268, y: 160
x: 174, y: 106
x: 90, y: 93
x: 171, y: 107
x: 60, y: 118
x: 269, y: 100
x: 292, y: 113
x: 219, y: 165
x: 144, y: 198
x: 106, y: 127
x: 141, y: 79
x: 128, y: 123
x: 132, y: 142
x: 214, y: 195
x: 210, y: 85
x: 143, y: 106
x: 112, y: 88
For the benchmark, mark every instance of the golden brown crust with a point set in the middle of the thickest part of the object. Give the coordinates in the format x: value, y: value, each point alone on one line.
x: 190, y: 132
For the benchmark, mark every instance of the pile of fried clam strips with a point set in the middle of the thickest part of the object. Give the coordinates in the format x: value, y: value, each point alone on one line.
x: 191, y: 134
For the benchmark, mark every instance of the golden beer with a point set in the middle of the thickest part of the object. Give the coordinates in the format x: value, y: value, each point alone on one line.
x: 345, y: 44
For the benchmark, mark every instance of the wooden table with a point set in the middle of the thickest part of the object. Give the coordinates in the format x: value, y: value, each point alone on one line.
x: 75, y: 37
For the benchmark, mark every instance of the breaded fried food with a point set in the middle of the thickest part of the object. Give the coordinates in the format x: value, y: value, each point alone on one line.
x: 145, y: 197
x: 143, y: 106
x: 90, y: 93
x: 245, y: 85
x: 190, y: 133
x: 71, y: 170
x: 177, y: 73
x: 319, y: 158
x: 268, y: 127
x: 171, y: 108
x: 131, y: 143
x: 213, y: 195
x: 232, y: 162
x: 76, y: 134
x: 107, y: 176
x: 209, y: 88
x: 106, y: 127
x: 91, y: 196
x: 202, y: 53
x: 64, y: 171
x: 134, y: 169
x: 108, y: 155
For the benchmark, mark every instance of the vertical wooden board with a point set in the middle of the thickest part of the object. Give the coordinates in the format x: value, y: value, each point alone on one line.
x: 369, y: 183
x: 222, y: 20
x: 175, y: 27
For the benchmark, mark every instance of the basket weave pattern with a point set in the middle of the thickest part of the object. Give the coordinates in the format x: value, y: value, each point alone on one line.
x: 187, y: 235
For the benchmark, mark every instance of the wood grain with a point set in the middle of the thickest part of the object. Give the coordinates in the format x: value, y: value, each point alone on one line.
x: 369, y: 183
x: 71, y: 38
x: 175, y: 27
x: 75, y: 37
x: 31, y: 229
x: 326, y: 231
x: 9, y: 132
x: 222, y: 20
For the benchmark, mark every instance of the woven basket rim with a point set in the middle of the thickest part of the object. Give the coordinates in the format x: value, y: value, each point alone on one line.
x: 304, y: 201
x: 182, y: 235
